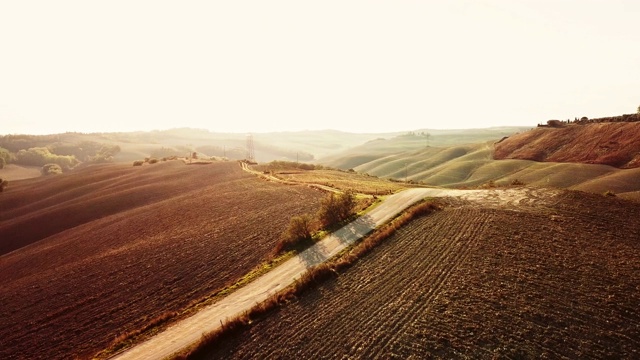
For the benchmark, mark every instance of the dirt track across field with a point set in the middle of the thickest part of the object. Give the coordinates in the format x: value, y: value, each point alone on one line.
x: 183, y: 334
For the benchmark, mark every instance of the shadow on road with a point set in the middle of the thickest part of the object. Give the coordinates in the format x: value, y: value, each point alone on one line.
x: 342, y: 238
x: 356, y: 229
x: 314, y: 255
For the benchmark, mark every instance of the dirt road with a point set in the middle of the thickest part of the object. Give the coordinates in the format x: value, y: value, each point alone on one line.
x: 188, y: 331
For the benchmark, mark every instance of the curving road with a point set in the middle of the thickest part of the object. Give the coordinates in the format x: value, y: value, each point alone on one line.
x: 188, y: 331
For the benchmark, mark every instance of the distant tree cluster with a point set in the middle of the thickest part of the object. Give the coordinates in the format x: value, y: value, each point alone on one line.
x: 5, y: 157
x: 165, y: 152
x: 105, y: 154
x: 41, y: 156
x: 585, y: 120
x: 284, y: 165
x: 40, y: 150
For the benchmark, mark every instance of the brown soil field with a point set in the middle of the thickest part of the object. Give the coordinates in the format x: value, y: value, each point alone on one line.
x: 615, y: 144
x: 558, y: 278
x: 94, y: 253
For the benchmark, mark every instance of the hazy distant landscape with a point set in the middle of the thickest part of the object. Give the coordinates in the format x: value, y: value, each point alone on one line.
x: 450, y: 158
x: 319, y: 180
x: 168, y: 219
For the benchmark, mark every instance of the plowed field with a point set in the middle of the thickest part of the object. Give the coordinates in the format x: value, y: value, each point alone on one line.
x: 89, y: 255
x: 553, y: 279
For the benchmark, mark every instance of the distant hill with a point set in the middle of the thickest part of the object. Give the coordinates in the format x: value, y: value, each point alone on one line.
x: 71, y: 149
x: 382, y: 147
x: 471, y: 165
x: 615, y: 144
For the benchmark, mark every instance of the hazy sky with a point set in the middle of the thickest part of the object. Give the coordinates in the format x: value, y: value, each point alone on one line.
x: 363, y: 66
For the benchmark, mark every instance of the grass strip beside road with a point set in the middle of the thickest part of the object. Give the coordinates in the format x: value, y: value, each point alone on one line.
x: 314, y: 276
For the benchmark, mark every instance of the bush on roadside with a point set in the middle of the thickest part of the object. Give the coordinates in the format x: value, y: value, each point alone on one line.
x: 298, y: 233
x: 336, y: 208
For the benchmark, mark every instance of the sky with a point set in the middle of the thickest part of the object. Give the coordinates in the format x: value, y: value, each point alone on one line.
x: 358, y: 66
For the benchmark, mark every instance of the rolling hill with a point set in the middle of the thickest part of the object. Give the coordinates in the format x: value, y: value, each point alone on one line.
x: 615, y: 144
x: 472, y: 165
x: 413, y: 141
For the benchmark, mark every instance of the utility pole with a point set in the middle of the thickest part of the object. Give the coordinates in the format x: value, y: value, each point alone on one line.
x: 250, y: 150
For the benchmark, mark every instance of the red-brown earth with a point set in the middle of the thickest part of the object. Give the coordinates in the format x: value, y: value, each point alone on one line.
x: 615, y: 144
x: 553, y: 279
x: 94, y: 253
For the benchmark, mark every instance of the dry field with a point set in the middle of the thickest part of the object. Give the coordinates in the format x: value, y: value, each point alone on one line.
x: 558, y: 278
x: 91, y: 254
x: 344, y: 181
x: 14, y: 172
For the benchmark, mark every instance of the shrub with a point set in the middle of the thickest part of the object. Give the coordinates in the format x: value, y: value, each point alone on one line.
x: 336, y: 208
x: 138, y: 163
x: 298, y: 233
x: 51, y: 169
x: 3, y: 184
x: 488, y: 185
x: 516, y: 182
x: 153, y: 161
x: 609, y: 193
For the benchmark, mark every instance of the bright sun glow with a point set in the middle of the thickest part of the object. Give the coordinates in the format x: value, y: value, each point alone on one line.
x: 360, y: 66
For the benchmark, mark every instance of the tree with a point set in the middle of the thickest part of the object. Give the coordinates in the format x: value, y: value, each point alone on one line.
x: 300, y: 228
x: 298, y: 232
x: 105, y: 154
x: 336, y: 208
x: 51, y: 169
x: 5, y: 157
